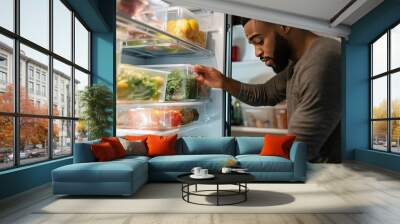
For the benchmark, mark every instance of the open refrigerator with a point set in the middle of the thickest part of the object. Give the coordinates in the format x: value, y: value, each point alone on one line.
x: 157, y: 45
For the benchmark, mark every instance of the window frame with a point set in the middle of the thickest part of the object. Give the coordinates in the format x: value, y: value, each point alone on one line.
x: 16, y: 114
x: 388, y: 74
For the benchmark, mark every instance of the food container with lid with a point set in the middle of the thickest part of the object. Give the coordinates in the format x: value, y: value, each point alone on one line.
x: 138, y: 84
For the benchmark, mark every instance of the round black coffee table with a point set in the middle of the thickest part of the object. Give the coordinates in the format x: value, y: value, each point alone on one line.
x: 238, y: 179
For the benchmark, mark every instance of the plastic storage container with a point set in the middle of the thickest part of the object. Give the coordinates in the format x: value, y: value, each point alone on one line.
x: 136, y: 84
x: 181, y: 83
x: 260, y: 117
x: 184, y: 24
x: 160, y: 117
x: 151, y: 12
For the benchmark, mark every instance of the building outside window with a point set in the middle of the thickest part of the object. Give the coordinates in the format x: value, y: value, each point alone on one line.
x: 44, y: 77
x: 30, y: 87
x: 37, y: 75
x: 59, y: 128
x: 385, y: 91
x: 30, y: 72
x: 43, y: 90
x: 3, y: 72
x: 3, y: 78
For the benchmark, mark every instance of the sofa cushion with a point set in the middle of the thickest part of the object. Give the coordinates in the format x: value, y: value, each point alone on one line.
x: 249, y: 145
x: 161, y: 145
x: 185, y: 163
x: 116, y: 145
x: 277, y: 145
x: 207, y: 145
x: 112, y: 171
x: 128, y: 159
x: 83, y: 152
x: 136, y: 147
x: 103, y: 152
x: 257, y: 163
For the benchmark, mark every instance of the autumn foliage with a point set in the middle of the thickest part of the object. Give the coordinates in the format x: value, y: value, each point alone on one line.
x: 33, y: 131
x: 380, y: 127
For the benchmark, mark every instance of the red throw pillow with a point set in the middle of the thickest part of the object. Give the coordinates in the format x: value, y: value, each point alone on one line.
x: 277, y: 145
x: 116, y: 145
x: 136, y: 137
x: 161, y: 145
x: 103, y: 152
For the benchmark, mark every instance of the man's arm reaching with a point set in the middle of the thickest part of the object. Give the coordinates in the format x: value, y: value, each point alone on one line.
x: 269, y: 93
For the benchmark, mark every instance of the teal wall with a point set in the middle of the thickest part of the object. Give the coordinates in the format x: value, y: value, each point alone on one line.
x: 103, y: 56
x: 355, y: 133
x: 99, y: 15
x: 24, y: 178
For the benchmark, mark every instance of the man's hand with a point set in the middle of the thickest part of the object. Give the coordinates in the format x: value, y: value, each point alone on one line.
x: 209, y: 76
x: 213, y: 78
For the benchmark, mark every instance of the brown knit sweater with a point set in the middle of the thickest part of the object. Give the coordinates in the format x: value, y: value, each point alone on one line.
x: 312, y: 89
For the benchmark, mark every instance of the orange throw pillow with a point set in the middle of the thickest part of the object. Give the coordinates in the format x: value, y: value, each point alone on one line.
x: 136, y: 137
x: 277, y: 145
x: 161, y: 145
x: 116, y: 145
x: 103, y: 152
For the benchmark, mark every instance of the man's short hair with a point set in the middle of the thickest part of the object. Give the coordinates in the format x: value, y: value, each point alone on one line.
x: 237, y: 20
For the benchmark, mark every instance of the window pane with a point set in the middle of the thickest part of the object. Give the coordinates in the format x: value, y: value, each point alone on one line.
x: 34, y: 66
x: 62, y: 29
x: 379, y: 55
x: 33, y: 139
x: 81, y: 131
x: 395, y: 47
x: 379, y: 135
x: 395, y: 94
x: 62, y: 138
x: 395, y: 136
x: 379, y: 97
x: 81, y: 45
x: 6, y: 142
x: 81, y: 81
x: 62, y: 89
x: 35, y: 21
x: 7, y: 14
x: 6, y: 74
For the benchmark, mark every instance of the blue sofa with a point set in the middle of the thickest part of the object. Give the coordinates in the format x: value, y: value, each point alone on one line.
x: 125, y: 176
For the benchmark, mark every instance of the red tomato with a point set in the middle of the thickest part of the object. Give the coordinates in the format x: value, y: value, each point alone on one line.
x: 176, y: 119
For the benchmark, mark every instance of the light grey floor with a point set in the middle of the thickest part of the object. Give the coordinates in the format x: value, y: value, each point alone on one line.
x: 379, y: 189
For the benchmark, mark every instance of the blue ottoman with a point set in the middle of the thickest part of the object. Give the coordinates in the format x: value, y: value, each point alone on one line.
x: 118, y: 177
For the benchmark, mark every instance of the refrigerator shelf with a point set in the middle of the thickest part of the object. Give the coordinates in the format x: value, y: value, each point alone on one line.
x: 144, y: 41
x: 129, y: 105
x: 171, y: 131
x: 256, y: 130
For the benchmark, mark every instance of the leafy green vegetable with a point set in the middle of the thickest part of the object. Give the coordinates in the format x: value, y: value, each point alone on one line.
x: 174, y: 86
x: 180, y: 87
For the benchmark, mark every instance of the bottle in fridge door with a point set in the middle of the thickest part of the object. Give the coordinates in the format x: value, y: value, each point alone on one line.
x: 157, y: 92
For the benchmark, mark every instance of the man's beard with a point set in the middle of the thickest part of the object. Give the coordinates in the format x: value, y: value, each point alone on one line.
x: 281, y: 55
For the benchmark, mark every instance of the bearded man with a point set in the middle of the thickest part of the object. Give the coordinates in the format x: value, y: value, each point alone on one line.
x: 308, y: 76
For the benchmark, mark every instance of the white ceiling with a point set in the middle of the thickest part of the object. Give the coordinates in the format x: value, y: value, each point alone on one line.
x: 314, y: 15
x: 321, y: 9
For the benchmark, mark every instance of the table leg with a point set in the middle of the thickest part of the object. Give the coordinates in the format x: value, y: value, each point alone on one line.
x: 245, y: 193
x: 217, y: 194
x: 188, y: 190
x: 196, y: 187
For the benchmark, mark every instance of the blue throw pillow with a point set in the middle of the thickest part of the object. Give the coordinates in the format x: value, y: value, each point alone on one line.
x: 207, y: 145
x: 249, y: 145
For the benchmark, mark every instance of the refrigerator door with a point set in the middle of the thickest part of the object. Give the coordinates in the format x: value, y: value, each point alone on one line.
x: 164, y: 102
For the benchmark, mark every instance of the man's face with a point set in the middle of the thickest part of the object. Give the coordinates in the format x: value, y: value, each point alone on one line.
x: 271, y: 47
